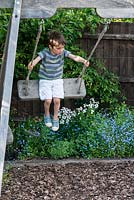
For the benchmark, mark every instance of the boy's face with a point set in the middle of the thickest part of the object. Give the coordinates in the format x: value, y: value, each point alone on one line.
x: 57, y: 48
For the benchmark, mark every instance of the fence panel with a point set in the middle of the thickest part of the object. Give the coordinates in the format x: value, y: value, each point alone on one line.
x: 116, y: 50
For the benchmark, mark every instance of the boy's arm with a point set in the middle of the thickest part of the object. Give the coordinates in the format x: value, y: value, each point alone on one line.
x: 79, y: 59
x: 34, y: 62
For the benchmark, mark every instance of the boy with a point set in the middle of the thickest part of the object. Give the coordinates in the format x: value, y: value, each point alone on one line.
x: 50, y: 75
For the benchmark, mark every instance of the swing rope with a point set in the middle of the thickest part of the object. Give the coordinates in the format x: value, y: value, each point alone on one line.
x: 34, y: 53
x: 89, y: 57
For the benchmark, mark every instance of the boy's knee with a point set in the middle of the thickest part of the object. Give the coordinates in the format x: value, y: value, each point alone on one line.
x: 48, y: 101
x: 56, y: 101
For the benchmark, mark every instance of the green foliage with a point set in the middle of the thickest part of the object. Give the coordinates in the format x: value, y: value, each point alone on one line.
x: 129, y: 20
x: 4, y: 19
x: 6, y: 174
x: 71, y: 22
x: 85, y: 133
x: 102, y: 84
x: 108, y: 137
x: 62, y: 149
x: 33, y: 139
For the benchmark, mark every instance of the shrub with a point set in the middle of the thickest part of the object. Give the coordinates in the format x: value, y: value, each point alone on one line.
x: 103, y: 85
x: 85, y: 132
x: 62, y: 149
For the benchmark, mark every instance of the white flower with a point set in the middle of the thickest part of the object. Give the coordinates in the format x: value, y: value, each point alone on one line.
x: 92, y: 111
x: 66, y: 114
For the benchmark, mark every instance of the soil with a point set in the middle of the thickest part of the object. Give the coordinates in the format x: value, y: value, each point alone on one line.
x: 70, y: 180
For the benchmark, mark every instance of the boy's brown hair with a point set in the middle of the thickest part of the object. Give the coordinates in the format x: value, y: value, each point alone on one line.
x: 55, y: 38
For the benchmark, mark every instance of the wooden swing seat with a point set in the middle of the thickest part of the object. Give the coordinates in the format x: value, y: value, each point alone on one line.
x: 71, y: 89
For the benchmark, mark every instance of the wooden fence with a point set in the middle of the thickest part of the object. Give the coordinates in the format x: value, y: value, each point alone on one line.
x: 116, y: 50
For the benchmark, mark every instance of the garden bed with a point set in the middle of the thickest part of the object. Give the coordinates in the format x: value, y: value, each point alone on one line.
x: 70, y: 179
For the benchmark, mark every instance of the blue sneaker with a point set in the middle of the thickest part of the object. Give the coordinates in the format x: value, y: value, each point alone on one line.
x: 47, y: 120
x: 55, y: 125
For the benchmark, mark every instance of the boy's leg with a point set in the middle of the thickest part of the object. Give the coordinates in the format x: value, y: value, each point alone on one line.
x: 45, y: 93
x: 56, y: 107
x: 47, y: 118
x: 47, y: 104
x: 55, y: 124
x: 58, y: 94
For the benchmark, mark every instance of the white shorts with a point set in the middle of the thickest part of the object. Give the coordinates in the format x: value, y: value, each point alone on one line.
x: 49, y: 89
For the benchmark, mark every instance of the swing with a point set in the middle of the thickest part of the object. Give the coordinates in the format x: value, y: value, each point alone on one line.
x: 74, y: 88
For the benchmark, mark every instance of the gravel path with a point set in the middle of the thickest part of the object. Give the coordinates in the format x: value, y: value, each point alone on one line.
x: 70, y: 180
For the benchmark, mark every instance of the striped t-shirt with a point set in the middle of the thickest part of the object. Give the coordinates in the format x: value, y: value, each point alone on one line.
x: 52, y: 65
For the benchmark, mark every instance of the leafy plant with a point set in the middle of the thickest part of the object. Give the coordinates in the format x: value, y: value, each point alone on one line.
x: 103, y: 85
x: 6, y: 174
x: 84, y: 132
x: 4, y: 19
x: 62, y: 149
